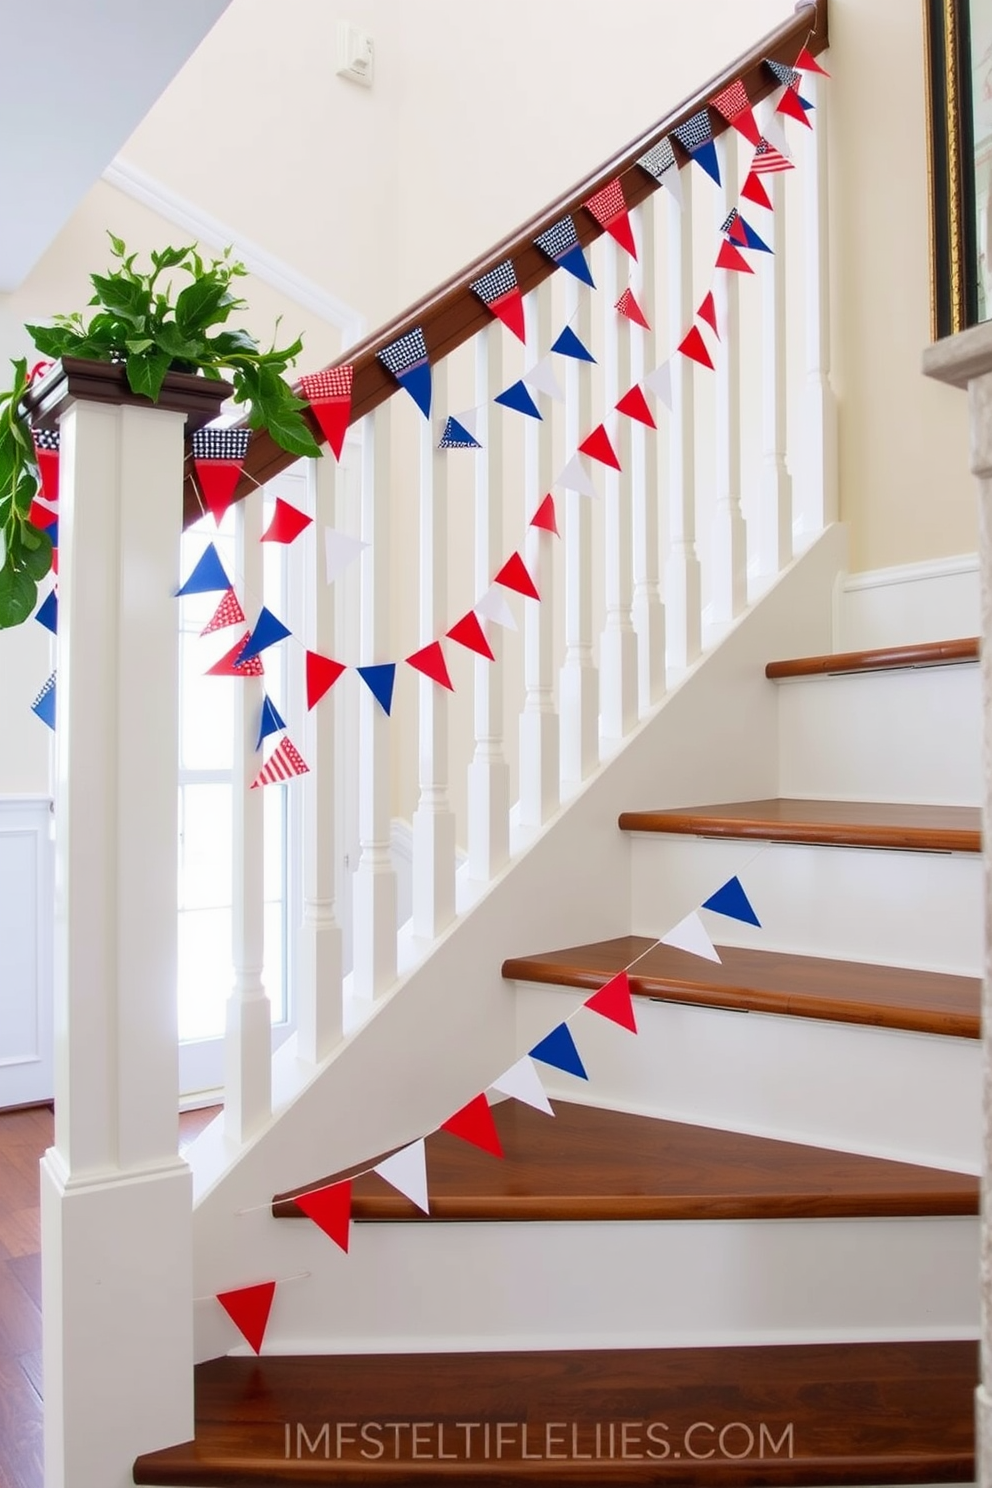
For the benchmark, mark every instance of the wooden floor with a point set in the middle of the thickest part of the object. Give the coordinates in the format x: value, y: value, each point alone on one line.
x: 24, y: 1135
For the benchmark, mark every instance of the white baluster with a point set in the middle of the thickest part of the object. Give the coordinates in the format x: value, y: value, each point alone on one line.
x: 682, y: 575
x: 375, y: 878
x: 775, y: 510
x: 539, y: 744
x: 319, y: 1005
x: 488, y: 773
x: 578, y: 682
x: 433, y: 820
x: 647, y: 610
x: 248, y: 1039
x: 729, y: 581
x: 618, y: 644
x: 819, y: 492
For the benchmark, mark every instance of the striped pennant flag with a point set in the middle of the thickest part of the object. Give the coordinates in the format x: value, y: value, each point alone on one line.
x: 283, y: 763
x: 768, y: 160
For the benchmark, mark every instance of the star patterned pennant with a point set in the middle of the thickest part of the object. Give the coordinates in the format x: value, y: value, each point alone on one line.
x: 500, y: 292
x: 406, y: 358
x: 560, y: 243
x: 329, y: 396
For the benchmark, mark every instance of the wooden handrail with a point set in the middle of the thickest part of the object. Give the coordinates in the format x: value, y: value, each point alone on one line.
x: 453, y: 313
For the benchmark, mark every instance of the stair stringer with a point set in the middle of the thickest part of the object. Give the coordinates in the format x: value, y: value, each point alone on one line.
x: 448, y: 1027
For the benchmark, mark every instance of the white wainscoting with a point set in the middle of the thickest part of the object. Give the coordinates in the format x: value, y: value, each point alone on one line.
x: 934, y: 601
x: 26, y: 894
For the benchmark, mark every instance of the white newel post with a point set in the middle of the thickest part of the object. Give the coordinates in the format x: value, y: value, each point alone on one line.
x: 115, y: 1196
x: 966, y: 361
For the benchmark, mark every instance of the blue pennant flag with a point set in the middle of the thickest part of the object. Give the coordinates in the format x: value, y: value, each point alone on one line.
x: 519, y: 399
x: 268, y: 630
x: 706, y: 157
x: 406, y: 358
x: 456, y: 436
x: 207, y: 576
x: 732, y: 902
x: 753, y: 240
x: 559, y: 1050
x: 44, y: 703
x: 379, y: 681
x: 417, y: 382
x: 270, y: 722
x: 53, y: 533
x: 47, y: 613
x: 576, y: 264
x: 568, y: 344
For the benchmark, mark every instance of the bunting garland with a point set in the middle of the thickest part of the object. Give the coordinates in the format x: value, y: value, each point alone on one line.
x: 499, y: 291
x: 46, y: 453
x: 286, y: 524
x: 628, y: 307
x: 696, y: 138
x: 249, y: 1308
x: 329, y: 396
x: 660, y: 163
x: 228, y: 612
x: 610, y: 211
x: 735, y: 106
x: 218, y: 455
x: 406, y: 358
x: 560, y: 242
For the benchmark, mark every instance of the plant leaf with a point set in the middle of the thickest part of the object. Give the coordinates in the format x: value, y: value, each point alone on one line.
x: 18, y: 592
x: 146, y: 373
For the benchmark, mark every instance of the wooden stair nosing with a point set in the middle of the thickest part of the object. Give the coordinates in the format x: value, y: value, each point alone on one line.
x: 888, y: 824
x: 881, y: 658
x: 775, y: 982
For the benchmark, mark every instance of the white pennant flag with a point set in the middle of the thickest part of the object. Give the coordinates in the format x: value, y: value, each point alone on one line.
x: 673, y: 180
x: 469, y: 420
x: 575, y: 477
x: 340, y: 550
x: 523, y: 1083
x: 543, y: 379
x: 660, y: 382
x: 406, y: 1170
x: 690, y: 935
x: 772, y: 127
x: 493, y: 606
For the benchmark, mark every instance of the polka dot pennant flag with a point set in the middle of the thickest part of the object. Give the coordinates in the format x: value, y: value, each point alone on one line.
x: 456, y: 436
x: 286, y: 524
x: 283, y: 764
x: 249, y: 1308
x: 44, y: 704
x: 499, y: 291
x: 46, y: 452
x: 329, y: 396
x: 628, y: 307
x: 560, y: 242
x: 474, y: 1123
x: 228, y: 612
x: 735, y: 106
x: 218, y: 455
x: 231, y: 664
x: 610, y: 210
x: 696, y: 138
x: 406, y: 358
x: 468, y: 632
x: 660, y: 163
x: 786, y: 76
x: 430, y: 661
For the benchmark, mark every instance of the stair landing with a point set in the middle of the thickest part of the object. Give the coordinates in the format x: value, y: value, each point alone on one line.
x: 829, y: 823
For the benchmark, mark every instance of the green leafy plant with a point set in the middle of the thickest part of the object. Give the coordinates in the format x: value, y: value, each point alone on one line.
x: 151, y: 327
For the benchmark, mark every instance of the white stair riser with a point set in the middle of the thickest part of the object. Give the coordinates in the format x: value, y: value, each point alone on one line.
x: 910, y: 735
x: 884, y: 1092
x: 424, y: 1287
x: 891, y: 907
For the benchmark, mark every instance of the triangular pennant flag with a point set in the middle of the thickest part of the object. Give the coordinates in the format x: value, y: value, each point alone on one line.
x: 519, y: 399
x: 560, y: 242
x: 545, y: 518
x: 499, y: 291
x: 635, y: 406
x: 543, y: 379
x: 706, y: 156
x: 660, y: 383
x: 44, y: 704
x: 693, y: 346
x: 559, y: 1050
x: 690, y: 935
x: 329, y: 396
x: 430, y: 661
x: 610, y: 211
x: 469, y: 633
x: 46, y: 453
x: 208, y: 574
x: 523, y: 1083
x: 660, y: 163
x: 41, y: 516
x: 228, y: 612
x: 514, y: 575
x: 568, y: 344
x: 627, y: 306
x: 774, y: 142
x: 406, y: 358
x: 270, y: 722
x: 493, y: 606
x: 786, y: 76
x: 732, y: 226
x: 731, y: 257
x: 322, y: 673
x: 268, y: 631
x: 406, y: 1171
x: 575, y: 477
x: 455, y: 436
x: 287, y: 523
x: 228, y: 665
x: 793, y: 107
x: 730, y: 900
x: 341, y: 549
x: 753, y: 239
x: 249, y: 1308
x: 576, y: 264
x: 379, y: 681
x: 707, y: 312
x: 330, y: 1210
x: 754, y: 191
x: 598, y: 447
x: 735, y: 106
x: 613, y: 1001
x: 283, y: 764
x: 47, y: 613
x: 696, y: 138
x: 218, y: 455
x: 806, y: 62
x: 474, y: 1123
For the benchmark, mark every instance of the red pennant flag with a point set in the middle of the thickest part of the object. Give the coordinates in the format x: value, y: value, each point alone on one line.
x: 41, y: 516
x: 806, y: 62
x: 545, y: 518
x: 790, y: 104
x: 628, y: 306
x: 707, y: 312
x: 468, y: 632
x: 218, y: 483
x: 228, y: 612
x: 514, y: 575
x: 737, y: 230
x: 329, y: 396
x: 753, y: 191
x: 322, y: 673
x: 249, y: 1308
x: 731, y: 257
x: 735, y: 106
x: 330, y: 1209
x: 613, y: 1001
x: 693, y: 346
x: 46, y: 452
x: 610, y: 211
x: 227, y: 666
x: 498, y: 290
x: 474, y: 1123
x: 635, y: 406
x: 430, y: 661
x: 598, y: 447
x: 287, y: 523
x: 509, y: 308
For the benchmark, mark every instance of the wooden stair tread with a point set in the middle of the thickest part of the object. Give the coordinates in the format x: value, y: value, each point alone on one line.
x: 882, y: 658
x: 768, y: 982
x: 593, y: 1163
x: 830, y: 823
x: 860, y: 1413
